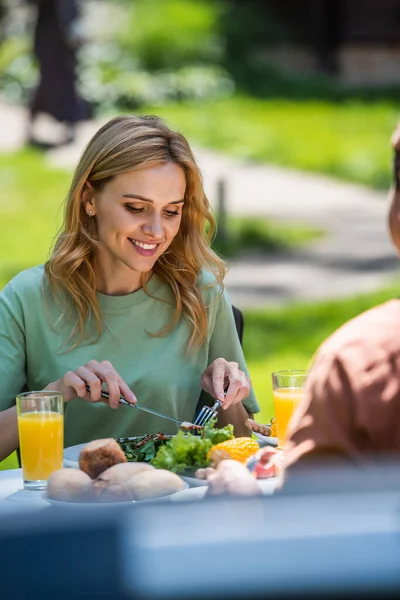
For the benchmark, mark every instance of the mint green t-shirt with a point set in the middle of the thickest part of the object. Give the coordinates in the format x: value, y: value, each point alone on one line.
x: 34, y: 353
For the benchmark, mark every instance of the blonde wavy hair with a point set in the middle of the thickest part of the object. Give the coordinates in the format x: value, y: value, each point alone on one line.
x: 124, y: 144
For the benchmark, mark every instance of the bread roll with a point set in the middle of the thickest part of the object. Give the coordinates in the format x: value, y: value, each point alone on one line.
x: 155, y: 483
x: 69, y: 485
x: 113, y: 484
x: 100, y: 455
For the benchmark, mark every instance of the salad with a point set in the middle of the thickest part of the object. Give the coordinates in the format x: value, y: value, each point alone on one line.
x: 180, y: 453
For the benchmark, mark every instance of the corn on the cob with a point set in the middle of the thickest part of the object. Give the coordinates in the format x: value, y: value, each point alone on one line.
x: 273, y: 427
x: 237, y: 449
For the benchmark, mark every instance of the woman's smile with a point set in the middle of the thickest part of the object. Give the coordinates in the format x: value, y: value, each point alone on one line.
x: 144, y: 248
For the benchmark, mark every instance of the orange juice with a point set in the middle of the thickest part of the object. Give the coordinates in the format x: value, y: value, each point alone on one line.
x: 285, y: 401
x: 41, y: 436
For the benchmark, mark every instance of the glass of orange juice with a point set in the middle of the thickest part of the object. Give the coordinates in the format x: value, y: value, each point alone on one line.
x: 41, y: 436
x: 288, y: 388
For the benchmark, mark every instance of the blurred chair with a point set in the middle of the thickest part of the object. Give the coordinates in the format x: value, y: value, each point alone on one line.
x: 239, y: 322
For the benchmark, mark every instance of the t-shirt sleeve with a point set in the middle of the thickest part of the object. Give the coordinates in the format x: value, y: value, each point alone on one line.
x: 12, y: 348
x: 224, y: 342
x: 322, y: 426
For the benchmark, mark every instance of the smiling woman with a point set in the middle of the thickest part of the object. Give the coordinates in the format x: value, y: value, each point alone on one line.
x: 131, y: 299
x: 133, y: 229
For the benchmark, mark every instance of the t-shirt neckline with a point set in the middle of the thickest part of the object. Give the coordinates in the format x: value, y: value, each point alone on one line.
x: 116, y: 302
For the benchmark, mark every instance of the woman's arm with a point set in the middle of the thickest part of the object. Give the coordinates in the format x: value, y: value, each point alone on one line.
x: 12, y: 367
x: 224, y: 344
x: 8, y: 432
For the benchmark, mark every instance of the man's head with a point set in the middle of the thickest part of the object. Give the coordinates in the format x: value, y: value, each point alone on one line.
x: 394, y: 210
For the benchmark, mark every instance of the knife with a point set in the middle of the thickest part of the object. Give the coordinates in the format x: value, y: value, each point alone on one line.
x: 186, y: 424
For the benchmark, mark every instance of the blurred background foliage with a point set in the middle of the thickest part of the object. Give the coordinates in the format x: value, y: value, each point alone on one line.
x: 198, y: 63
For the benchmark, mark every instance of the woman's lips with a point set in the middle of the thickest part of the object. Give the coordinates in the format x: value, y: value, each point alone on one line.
x: 143, y: 248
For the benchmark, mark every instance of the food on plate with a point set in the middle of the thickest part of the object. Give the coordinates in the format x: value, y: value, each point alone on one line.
x: 188, y: 425
x: 114, y: 483
x: 182, y: 452
x: 142, y: 448
x: 204, y: 473
x: 155, y: 483
x: 258, y: 427
x: 69, y: 485
x: 237, y: 449
x: 232, y: 477
x: 187, y: 452
x: 100, y: 455
x: 273, y: 427
x: 266, y: 463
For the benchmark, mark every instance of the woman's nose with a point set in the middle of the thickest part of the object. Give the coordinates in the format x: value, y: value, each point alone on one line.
x: 153, y: 226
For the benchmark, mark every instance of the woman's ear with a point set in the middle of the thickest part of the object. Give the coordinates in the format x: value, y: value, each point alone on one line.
x: 87, y: 199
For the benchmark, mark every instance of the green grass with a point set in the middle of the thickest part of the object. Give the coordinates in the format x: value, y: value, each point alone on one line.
x: 247, y: 234
x: 30, y: 198
x: 287, y: 338
x: 348, y: 139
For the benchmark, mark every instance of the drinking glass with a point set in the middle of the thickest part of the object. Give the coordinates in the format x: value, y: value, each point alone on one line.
x: 288, y: 388
x: 41, y: 436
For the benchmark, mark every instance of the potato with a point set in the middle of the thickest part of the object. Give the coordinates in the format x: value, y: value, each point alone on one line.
x: 100, y: 455
x: 113, y: 484
x: 155, y: 483
x: 69, y: 485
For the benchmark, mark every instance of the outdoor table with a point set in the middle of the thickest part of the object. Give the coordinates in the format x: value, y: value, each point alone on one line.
x: 13, y: 495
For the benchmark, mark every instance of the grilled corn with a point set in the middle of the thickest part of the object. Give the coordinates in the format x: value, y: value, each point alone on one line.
x: 237, y: 449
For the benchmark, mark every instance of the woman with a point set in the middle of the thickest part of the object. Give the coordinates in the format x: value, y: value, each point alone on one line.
x: 131, y: 297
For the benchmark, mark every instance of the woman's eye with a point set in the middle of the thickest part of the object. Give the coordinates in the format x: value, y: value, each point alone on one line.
x: 134, y: 209
x: 171, y: 213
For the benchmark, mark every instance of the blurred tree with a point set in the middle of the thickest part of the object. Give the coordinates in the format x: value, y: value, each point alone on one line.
x: 164, y: 34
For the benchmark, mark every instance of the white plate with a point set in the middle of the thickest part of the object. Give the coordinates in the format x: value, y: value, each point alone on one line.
x: 103, y: 505
x: 268, y: 486
x: 71, y: 456
x: 71, y: 460
x: 194, y: 482
x: 266, y: 440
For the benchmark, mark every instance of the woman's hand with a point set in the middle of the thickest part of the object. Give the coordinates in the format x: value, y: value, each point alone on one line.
x: 221, y: 375
x: 94, y: 374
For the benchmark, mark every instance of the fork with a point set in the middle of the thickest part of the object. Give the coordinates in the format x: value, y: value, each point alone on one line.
x: 207, y: 413
x: 184, y: 424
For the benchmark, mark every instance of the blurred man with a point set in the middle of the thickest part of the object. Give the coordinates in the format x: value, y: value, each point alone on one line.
x: 351, y: 409
x: 57, y: 39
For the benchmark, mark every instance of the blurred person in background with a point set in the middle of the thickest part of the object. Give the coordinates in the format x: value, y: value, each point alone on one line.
x: 350, y: 413
x: 132, y: 298
x: 56, y: 43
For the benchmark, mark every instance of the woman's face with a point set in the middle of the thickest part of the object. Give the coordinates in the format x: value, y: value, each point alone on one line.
x: 138, y: 215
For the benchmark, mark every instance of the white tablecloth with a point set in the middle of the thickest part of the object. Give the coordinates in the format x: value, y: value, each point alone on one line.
x: 14, y: 497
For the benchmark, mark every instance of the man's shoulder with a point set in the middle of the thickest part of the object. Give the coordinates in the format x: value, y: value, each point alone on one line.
x: 366, y: 340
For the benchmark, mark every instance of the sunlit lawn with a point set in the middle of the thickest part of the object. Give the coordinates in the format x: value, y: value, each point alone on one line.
x: 349, y: 140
